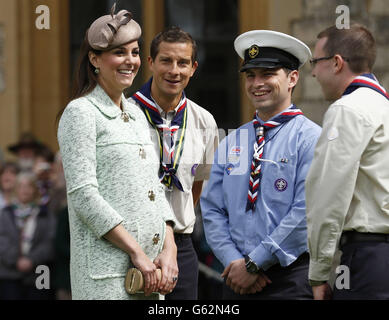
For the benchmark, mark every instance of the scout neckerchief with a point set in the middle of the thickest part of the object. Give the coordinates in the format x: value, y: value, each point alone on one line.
x: 255, y: 175
x: 171, y: 138
x: 367, y: 80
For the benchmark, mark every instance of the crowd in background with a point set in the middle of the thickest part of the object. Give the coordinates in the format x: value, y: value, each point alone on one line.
x: 34, y: 227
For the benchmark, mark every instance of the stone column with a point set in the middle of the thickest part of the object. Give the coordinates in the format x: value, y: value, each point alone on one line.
x: 36, y: 68
x: 153, y: 20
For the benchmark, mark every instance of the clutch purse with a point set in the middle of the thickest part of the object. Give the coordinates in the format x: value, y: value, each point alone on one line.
x: 134, y: 282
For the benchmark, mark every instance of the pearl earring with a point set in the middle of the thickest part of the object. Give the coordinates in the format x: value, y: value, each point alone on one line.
x: 97, y: 70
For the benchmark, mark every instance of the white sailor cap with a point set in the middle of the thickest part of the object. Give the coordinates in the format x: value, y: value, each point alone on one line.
x: 270, y: 49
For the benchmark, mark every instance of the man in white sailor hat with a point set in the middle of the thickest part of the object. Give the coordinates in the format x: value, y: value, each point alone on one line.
x: 254, y: 204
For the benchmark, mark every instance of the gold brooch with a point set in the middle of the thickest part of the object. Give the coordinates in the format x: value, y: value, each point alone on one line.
x: 151, y: 195
x: 125, y: 117
x: 156, y: 239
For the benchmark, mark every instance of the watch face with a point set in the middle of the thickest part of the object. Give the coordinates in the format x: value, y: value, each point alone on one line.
x: 251, y: 267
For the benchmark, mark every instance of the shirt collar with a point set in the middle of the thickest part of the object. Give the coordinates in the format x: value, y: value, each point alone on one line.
x: 262, y: 122
x: 164, y: 113
x: 105, y: 104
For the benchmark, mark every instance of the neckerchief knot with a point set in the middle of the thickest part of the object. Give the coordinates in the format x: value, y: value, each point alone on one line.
x: 171, y: 138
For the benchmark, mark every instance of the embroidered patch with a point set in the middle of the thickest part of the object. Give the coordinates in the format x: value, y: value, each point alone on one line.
x: 235, y: 150
x: 229, y: 168
x: 280, y: 185
x: 253, y: 51
x: 234, y: 154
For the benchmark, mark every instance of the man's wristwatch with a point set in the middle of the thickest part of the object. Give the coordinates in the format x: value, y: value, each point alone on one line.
x: 251, y: 266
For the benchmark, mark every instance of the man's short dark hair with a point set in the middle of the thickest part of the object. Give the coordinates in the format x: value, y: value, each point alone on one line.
x: 172, y: 34
x: 356, y: 44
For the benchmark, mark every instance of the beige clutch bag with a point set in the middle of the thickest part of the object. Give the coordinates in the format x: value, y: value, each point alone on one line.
x: 134, y: 280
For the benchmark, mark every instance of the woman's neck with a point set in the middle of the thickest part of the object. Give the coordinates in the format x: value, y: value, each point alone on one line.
x: 115, y: 95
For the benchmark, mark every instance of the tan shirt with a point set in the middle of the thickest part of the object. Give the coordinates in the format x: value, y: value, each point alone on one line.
x: 201, y: 141
x: 347, y: 187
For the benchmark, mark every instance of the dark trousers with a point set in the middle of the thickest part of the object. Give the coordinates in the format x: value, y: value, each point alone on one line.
x: 188, y: 270
x: 368, y: 263
x: 288, y: 283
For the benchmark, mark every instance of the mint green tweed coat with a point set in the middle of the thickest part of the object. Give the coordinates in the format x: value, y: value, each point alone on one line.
x: 111, y: 172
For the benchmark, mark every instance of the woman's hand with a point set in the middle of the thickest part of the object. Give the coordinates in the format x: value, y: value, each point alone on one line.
x: 167, y: 261
x: 121, y: 238
x: 148, y: 270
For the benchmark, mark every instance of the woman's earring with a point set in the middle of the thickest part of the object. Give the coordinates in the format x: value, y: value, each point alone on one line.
x: 97, y: 70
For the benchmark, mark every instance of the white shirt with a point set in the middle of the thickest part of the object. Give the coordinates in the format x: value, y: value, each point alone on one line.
x: 347, y: 187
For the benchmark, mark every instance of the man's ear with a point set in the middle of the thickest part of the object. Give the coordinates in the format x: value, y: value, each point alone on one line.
x: 194, y: 67
x: 339, y: 63
x: 150, y: 62
x: 293, y: 78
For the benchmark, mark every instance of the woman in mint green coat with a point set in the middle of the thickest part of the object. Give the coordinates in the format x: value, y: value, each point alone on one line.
x: 118, y: 213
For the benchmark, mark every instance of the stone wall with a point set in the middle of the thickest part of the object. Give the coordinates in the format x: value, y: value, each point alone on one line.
x: 320, y: 14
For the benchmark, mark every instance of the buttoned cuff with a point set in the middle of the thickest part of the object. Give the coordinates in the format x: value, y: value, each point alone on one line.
x: 263, y: 257
x: 314, y: 283
x: 231, y: 255
x: 319, y: 271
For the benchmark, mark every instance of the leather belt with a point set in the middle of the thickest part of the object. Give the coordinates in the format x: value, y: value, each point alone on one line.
x: 354, y: 236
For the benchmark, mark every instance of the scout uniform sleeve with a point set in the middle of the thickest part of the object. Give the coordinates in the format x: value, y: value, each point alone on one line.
x: 330, y: 184
x: 215, y: 215
x: 77, y: 141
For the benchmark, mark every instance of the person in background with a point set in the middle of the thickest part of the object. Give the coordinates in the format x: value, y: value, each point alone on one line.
x: 347, y: 188
x: 185, y: 138
x: 61, y: 274
x: 26, y: 241
x: 57, y: 191
x: 118, y: 214
x: 58, y: 206
x: 254, y: 204
x: 8, y: 174
x: 42, y: 168
x: 26, y: 150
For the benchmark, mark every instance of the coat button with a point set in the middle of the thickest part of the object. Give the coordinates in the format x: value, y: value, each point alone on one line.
x: 156, y: 239
x: 151, y: 195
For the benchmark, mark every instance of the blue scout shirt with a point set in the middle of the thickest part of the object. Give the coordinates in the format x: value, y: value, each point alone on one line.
x: 275, y: 232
